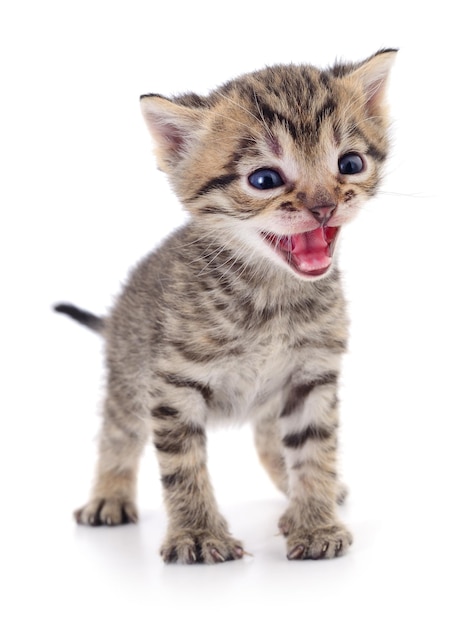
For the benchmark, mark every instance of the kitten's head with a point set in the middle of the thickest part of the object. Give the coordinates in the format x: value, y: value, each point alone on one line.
x: 277, y: 161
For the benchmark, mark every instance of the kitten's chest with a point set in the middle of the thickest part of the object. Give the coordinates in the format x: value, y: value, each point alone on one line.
x: 259, y: 368
x: 247, y: 382
x: 248, y: 343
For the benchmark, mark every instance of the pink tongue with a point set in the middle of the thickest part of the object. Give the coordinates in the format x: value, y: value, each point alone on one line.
x: 310, y: 251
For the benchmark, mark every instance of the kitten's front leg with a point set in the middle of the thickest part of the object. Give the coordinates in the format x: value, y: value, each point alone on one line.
x: 309, y: 422
x: 197, y: 532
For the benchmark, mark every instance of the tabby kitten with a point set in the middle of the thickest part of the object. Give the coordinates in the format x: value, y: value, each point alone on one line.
x: 240, y: 313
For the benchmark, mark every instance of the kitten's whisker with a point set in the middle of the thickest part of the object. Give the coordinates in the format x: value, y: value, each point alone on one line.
x: 191, y: 243
x: 212, y: 255
x: 414, y: 194
x: 210, y: 260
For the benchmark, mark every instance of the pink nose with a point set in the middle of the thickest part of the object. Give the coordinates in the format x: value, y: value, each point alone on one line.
x: 323, y: 213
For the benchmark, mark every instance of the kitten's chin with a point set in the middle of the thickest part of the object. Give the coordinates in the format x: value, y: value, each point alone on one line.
x: 308, y: 254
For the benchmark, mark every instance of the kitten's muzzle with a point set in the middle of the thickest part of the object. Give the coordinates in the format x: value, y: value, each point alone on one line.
x: 323, y: 213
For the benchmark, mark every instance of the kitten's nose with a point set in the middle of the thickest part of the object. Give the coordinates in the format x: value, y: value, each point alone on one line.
x: 323, y: 213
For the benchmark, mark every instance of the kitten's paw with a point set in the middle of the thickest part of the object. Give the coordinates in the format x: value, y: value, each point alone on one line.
x: 325, y: 542
x: 107, y: 511
x: 190, y: 547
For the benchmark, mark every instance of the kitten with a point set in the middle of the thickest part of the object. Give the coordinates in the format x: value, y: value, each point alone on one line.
x: 240, y: 313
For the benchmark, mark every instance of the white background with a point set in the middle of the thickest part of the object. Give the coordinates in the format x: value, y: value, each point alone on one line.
x: 81, y: 202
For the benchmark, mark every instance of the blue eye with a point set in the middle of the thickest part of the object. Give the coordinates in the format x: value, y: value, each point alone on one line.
x: 266, y: 179
x: 351, y: 163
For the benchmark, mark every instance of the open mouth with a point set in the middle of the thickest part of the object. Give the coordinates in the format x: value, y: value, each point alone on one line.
x: 310, y: 253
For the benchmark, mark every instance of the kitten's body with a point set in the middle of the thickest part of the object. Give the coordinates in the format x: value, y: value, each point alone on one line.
x: 240, y: 313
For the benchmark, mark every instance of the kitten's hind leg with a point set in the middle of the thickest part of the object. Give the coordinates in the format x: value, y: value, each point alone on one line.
x: 308, y: 424
x: 271, y: 454
x: 122, y: 439
x: 270, y: 451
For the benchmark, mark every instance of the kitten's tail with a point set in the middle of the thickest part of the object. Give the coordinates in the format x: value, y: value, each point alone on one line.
x: 83, y: 317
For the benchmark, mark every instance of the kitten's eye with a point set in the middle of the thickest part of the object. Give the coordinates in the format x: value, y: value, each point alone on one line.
x: 266, y: 179
x: 351, y: 163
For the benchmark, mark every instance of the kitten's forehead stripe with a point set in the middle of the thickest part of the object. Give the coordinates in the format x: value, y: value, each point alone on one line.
x: 245, y: 146
x: 297, y: 98
x: 308, y: 79
x: 326, y: 110
x: 324, y: 78
x: 270, y: 116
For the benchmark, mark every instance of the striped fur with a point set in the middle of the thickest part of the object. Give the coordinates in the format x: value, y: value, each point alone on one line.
x: 220, y: 323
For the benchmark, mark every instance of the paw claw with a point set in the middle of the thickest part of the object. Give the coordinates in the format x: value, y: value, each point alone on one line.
x: 111, y: 512
x: 216, y: 555
x: 296, y: 553
x: 318, y: 542
x: 323, y: 552
x: 200, y: 547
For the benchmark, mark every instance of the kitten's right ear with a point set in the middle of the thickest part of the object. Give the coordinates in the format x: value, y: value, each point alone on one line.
x: 174, y: 128
x: 373, y: 75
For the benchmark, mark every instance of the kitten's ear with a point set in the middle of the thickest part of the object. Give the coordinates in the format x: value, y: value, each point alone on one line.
x: 174, y: 128
x: 373, y: 75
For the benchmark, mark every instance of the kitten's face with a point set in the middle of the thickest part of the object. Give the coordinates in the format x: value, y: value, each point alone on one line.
x: 279, y: 160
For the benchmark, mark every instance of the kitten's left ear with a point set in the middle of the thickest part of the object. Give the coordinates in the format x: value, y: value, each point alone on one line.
x: 373, y: 75
x: 175, y: 128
